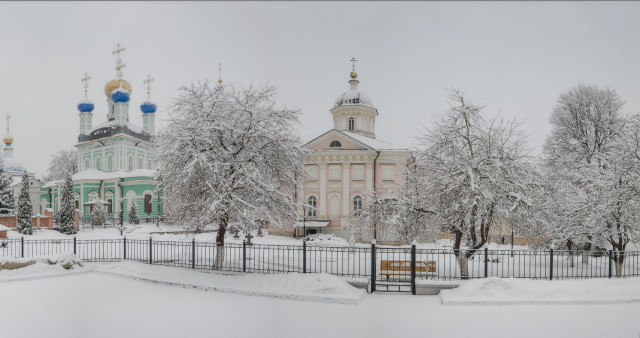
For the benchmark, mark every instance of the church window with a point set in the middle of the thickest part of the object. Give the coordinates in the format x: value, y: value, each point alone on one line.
x: 77, y: 204
x: 98, y: 163
x: 335, y: 144
x: 87, y: 164
x: 147, y: 204
x: 109, y: 163
x: 110, y: 206
x: 312, y: 173
x: 351, y: 122
x: 334, y: 173
x: 388, y: 173
x: 358, y: 173
x: 140, y: 165
x: 130, y: 163
x: 149, y: 164
x: 357, y: 205
x: 311, y: 209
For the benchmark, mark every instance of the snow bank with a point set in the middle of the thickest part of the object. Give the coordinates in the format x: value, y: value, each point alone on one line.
x: 525, y: 291
x: 295, y: 286
x: 326, y: 239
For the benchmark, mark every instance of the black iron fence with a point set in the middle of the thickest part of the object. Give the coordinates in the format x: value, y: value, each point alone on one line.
x: 391, y: 266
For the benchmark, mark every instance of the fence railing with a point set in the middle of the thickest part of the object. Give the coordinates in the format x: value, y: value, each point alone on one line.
x: 389, y: 265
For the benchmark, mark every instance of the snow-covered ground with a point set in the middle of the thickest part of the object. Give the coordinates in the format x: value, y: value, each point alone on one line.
x: 97, y: 304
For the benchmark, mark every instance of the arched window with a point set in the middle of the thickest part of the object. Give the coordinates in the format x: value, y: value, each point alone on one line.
x: 87, y: 164
x: 110, y: 206
x: 149, y: 164
x: 335, y: 144
x: 351, y: 124
x: 147, y: 204
x: 130, y: 163
x: 311, y: 212
x: 140, y: 165
x: 357, y: 205
x: 98, y: 163
x: 77, y: 204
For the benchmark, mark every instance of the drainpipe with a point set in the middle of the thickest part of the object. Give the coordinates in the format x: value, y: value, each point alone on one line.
x: 375, y: 226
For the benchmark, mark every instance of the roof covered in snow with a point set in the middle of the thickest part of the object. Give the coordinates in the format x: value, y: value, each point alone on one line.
x: 372, y: 142
x: 12, y: 165
x: 95, y: 174
x: 110, y: 128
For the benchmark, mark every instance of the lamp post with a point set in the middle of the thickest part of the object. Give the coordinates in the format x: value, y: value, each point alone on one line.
x: 304, y: 221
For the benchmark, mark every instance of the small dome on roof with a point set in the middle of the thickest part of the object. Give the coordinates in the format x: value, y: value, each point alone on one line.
x: 353, y: 97
x: 120, y: 95
x: 148, y: 107
x: 85, y: 106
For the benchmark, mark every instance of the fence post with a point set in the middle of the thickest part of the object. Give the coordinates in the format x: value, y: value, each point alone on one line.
x: 193, y: 253
x: 150, y: 250
x: 124, y: 251
x: 22, y: 247
x: 74, y: 245
x: 304, y: 256
x: 373, y: 265
x: 610, y: 262
x: 413, y: 268
x: 486, y: 262
x: 550, y: 264
x: 244, y: 256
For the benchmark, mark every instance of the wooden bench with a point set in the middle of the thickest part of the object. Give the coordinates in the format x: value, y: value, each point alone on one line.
x: 403, y: 268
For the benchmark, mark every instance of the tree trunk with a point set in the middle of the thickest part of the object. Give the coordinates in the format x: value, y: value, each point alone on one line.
x: 585, y: 253
x: 463, y: 263
x: 222, y: 229
x: 569, y: 246
x: 619, y: 263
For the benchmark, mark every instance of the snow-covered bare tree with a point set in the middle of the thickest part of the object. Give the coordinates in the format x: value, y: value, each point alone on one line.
x: 229, y: 155
x: 478, y: 175
x: 7, y: 202
x: 588, y: 157
x: 25, y: 224
x: 379, y: 215
x: 98, y: 215
x: 62, y: 162
x: 67, y: 207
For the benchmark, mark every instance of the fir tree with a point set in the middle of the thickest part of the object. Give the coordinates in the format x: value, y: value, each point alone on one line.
x: 25, y: 224
x: 7, y: 203
x: 98, y: 214
x: 67, y: 209
x: 133, y: 213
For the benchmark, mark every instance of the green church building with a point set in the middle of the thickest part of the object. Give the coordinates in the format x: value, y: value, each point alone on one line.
x: 114, y: 158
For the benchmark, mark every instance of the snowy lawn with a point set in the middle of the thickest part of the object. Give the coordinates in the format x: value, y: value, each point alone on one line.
x: 525, y: 291
x: 103, y: 305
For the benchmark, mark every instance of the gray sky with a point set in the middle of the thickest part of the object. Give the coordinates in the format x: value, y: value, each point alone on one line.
x: 515, y: 57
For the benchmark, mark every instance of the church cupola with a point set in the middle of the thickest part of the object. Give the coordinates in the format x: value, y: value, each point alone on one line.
x: 10, y: 164
x: 85, y: 107
x: 353, y: 110
x: 118, y: 92
x: 148, y: 109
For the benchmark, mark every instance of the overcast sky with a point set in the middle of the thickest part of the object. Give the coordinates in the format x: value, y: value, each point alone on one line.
x: 515, y: 57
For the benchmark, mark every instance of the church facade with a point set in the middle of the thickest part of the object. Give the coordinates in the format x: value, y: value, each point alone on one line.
x: 115, y: 158
x: 347, y: 164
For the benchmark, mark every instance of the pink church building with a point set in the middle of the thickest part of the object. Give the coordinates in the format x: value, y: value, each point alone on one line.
x: 346, y: 164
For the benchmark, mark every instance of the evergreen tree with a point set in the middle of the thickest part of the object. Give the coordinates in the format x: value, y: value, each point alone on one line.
x: 133, y: 213
x: 7, y: 203
x: 25, y: 224
x: 98, y: 215
x: 67, y: 209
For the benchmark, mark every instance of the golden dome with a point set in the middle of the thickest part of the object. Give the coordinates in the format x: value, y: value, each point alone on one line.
x: 114, y: 84
x: 354, y: 75
x: 219, y: 81
x: 8, y: 139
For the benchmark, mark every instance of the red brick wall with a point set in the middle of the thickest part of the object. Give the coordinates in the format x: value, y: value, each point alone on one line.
x: 10, y: 221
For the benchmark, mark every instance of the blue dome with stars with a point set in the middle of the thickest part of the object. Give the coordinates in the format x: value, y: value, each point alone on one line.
x: 148, y: 107
x: 85, y: 106
x: 120, y: 95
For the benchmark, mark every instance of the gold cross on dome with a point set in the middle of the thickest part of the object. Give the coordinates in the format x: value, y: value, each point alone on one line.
x: 353, y: 66
x: 85, y: 83
x: 8, y: 118
x: 148, y: 81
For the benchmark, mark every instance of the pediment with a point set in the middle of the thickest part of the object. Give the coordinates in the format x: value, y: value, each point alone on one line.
x: 323, y: 142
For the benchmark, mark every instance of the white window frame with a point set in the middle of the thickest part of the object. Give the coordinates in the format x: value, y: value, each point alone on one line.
x: 333, y: 171
x: 312, y: 173
x: 388, y: 173
x: 357, y: 168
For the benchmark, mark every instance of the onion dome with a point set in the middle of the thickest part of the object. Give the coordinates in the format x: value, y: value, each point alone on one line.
x: 353, y: 96
x: 8, y: 139
x: 120, y: 95
x: 115, y: 84
x: 85, y: 106
x: 148, y: 107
